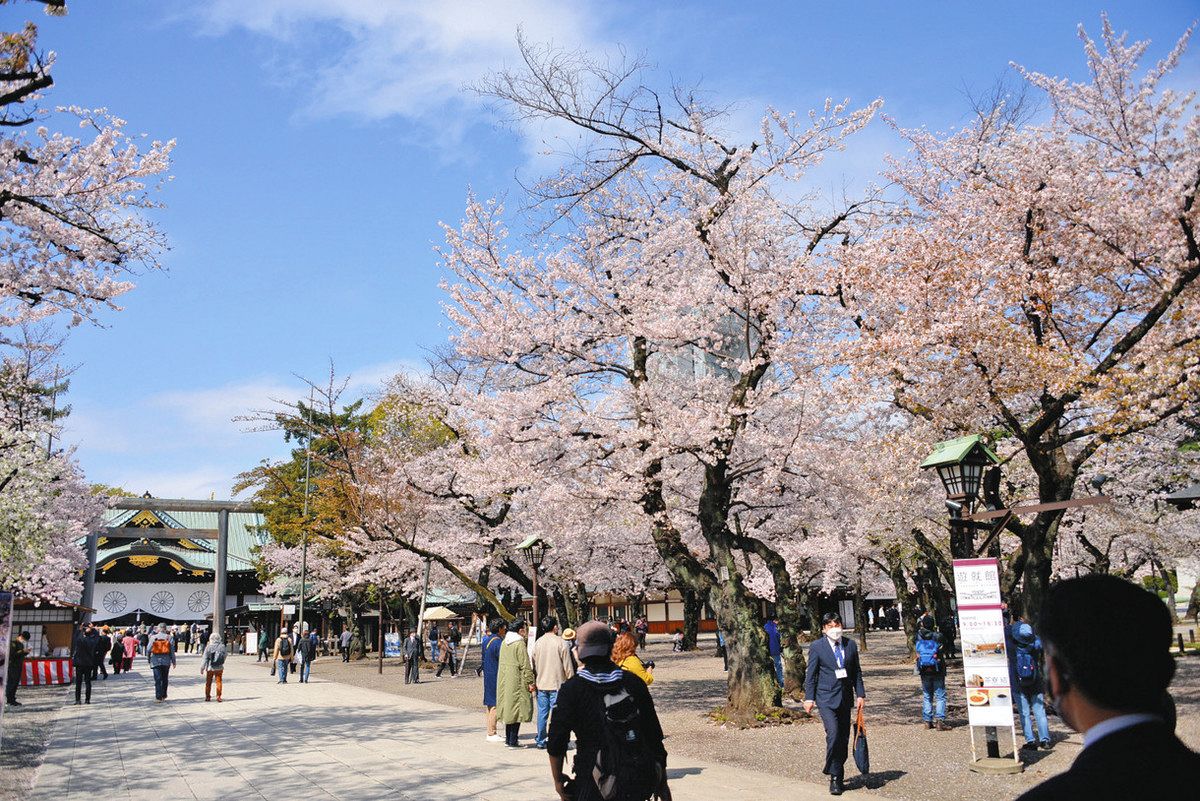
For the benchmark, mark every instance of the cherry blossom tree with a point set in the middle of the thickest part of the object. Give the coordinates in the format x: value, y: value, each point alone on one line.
x: 1040, y: 279
x: 653, y: 341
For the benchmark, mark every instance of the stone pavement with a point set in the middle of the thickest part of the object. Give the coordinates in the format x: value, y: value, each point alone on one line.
x: 321, y: 740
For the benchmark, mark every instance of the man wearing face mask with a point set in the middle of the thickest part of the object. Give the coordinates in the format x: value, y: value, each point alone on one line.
x: 833, y: 683
x: 1108, y: 675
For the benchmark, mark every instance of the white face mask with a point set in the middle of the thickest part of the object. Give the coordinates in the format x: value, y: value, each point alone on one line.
x: 834, y: 633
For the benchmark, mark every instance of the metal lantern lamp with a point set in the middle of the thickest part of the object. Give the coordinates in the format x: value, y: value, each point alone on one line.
x: 534, y: 548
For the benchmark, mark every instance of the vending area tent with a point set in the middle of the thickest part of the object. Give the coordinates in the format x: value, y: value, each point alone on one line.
x: 441, y: 613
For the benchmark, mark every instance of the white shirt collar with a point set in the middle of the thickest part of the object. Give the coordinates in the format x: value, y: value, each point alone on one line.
x: 1107, y: 727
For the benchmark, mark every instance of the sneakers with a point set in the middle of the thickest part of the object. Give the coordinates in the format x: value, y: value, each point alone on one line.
x: 941, y: 725
x: 494, y: 738
x: 1045, y: 745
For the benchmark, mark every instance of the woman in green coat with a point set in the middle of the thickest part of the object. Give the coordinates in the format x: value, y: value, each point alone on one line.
x: 514, y: 684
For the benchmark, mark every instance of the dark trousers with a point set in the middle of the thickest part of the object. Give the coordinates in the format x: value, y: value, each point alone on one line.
x: 161, y: 672
x: 412, y: 671
x: 345, y: 649
x: 102, y: 668
x: 83, y: 678
x: 837, y: 738
x: 512, y: 733
x: 12, y: 681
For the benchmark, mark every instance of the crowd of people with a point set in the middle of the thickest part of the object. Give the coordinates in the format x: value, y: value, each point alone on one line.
x: 593, y: 684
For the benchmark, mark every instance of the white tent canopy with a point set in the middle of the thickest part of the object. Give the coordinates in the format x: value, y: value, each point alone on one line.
x: 441, y: 613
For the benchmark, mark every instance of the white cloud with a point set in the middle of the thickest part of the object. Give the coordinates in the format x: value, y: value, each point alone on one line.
x: 186, y: 443
x: 373, y: 60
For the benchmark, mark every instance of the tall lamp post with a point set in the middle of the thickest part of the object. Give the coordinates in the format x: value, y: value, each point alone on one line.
x: 534, y: 548
x: 960, y: 464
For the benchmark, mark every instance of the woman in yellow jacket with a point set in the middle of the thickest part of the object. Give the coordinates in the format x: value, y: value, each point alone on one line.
x: 624, y: 653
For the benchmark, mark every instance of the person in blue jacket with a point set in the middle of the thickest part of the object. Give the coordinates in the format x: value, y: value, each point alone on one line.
x: 491, y: 669
x: 775, y: 647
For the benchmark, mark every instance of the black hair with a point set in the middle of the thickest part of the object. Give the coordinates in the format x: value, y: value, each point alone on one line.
x: 496, y: 624
x: 926, y: 623
x: 520, y: 624
x: 830, y: 617
x: 1120, y: 660
x: 549, y: 622
x: 25, y: 634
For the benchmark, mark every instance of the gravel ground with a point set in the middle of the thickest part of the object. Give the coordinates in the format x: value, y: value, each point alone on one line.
x: 25, y: 731
x: 908, y: 761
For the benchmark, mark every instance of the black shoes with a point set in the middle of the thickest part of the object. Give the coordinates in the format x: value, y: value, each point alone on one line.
x: 835, y: 785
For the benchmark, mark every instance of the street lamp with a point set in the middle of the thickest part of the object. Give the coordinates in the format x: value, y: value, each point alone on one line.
x: 960, y: 464
x: 534, y: 548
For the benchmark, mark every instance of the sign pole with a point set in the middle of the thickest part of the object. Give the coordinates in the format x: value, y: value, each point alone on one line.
x: 985, y: 660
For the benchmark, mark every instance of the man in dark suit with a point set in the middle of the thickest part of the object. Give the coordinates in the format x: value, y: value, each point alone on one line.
x: 1108, y: 676
x: 833, y: 683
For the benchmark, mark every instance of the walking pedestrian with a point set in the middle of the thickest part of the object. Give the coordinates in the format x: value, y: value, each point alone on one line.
x: 143, y: 641
x: 281, y: 657
x: 345, y: 644
x: 568, y: 636
x: 514, y: 684
x: 105, y: 646
x: 83, y: 657
x: 931, y: 667
x: 262, y: 645
x: 624, y: 654
x: 604, y: 706
x: 117, y: 656
x: 833, y: 683
x: 412, y: 656
x: 213, y: 666
x: 161, y: 657
x: 307, y: 651
x: 18, y: 651
x: 131, y: 644
x: 454, y: 637
x: 443, y: 650
x: 722, y: 650
x: 642, y: 627
x: 774, y: 647
x: 490, y: 662
x: 1028, y: 684
x: 435, y: 637
x: 552, y: 665
x: 1107, y: 676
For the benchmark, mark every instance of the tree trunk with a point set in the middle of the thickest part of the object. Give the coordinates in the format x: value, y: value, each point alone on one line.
x: 1056, y: 482
x: 860, y: 611
x: 691, y: 618
x: 751, y: 677
x: 560, y: 609
x: 790, y: 622
x: 812, y: 605
x: 907, y: 598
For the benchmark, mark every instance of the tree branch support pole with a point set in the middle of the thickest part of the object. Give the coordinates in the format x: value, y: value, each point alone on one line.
x: 421, y: 614
x: 220, y: 573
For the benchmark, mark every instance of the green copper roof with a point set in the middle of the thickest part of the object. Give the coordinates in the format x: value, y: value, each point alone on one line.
x: 953, y: 451
x: 244, y: 536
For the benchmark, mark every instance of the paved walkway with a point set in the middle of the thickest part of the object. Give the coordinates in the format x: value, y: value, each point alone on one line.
x: 322, y: 740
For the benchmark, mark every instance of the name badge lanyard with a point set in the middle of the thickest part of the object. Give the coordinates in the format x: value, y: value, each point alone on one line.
x: 840, y: 658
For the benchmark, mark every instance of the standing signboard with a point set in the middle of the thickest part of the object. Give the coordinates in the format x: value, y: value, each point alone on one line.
x: 392, y: 646
x: 985, y: 655
x: 6, y: 625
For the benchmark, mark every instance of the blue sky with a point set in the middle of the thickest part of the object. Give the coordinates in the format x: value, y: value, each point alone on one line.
x: 320, y: 142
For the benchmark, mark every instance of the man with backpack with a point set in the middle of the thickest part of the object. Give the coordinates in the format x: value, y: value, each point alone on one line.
x: 931, y: 667
x: 1028, y: 684
x: 282, y: 656
x: 619, y: 741
x: 160, y: 652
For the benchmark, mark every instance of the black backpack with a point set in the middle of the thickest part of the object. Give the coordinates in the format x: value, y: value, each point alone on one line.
x: 285, y: 647
x: 625, y: 769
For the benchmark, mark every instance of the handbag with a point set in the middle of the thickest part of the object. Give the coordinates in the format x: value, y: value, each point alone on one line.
x: 861, y: 756
x: 272, y: 667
